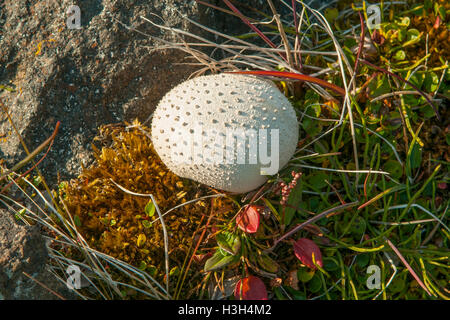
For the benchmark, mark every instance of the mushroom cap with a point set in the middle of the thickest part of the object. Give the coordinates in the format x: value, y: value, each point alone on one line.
x: 194, y: 130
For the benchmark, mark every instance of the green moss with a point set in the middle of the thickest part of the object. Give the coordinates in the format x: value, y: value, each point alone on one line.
x: 120, y: 224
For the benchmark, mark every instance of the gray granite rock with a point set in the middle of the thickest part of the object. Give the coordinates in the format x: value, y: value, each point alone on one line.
x: 23, y: 250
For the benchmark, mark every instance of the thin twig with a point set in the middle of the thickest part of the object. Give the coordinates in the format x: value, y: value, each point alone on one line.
x: 390, y: 94
x: 241, y: 16
x: 44, y: 286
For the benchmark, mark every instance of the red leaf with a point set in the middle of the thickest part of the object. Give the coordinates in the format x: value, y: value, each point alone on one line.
x: 442, y: 185
x: 248, y: 219
x: 250, y: 288
x: 241, y: 16
x: 304, y: 249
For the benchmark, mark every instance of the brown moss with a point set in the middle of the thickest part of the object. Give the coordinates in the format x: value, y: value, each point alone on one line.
x: 112, y: 221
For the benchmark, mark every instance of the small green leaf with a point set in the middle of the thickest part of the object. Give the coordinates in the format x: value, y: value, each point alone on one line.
x: 439, y: 10
x: 150, y: 209
x: 267, y: 263
x: 77, y: 221
x: 431, y: 82
x: 317, y: 110
x: 20, y: 213
x: 311, y: 126
x: 400, y: 55
x: 317, y: 180
x: 305, y: 274
x: 146, y: 224
x: 412, y: 34
x: 279, y: 294
x: 416, y: 79
x: 428, y: 111
x: 151, y: 269
x: 397, y: 285
x: 379, y: 87
x: 293, y: 202
x: 37, y: 181
x: 175, y: 271
x: 401, y: 35
x: 315, y: 284
x: 329, y: 264
x: 442, y: 12
x: 358, y: 226
x: 218, y: 261
x: 142, y: 265
x: 404, y: 22
x: 394, y: 168
x: 296, y: 295
x: 415, y: 157
x: 362, y: 260
x: 427, y: 4
x: 418, y: 9
x: 229, y: 242
x: 141, y: 240
x: 331, y: 14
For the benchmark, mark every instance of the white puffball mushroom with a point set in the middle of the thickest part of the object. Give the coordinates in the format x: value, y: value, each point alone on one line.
x: 193, y: 126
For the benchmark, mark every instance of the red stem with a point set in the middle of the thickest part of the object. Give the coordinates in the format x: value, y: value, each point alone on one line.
x: 295, y: 76
x: 262, y: 35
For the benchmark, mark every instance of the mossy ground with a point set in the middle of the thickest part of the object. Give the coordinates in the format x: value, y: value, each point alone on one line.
x: 118, y: 224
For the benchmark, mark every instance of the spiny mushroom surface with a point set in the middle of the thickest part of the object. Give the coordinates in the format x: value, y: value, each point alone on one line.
x: 221, y: 130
